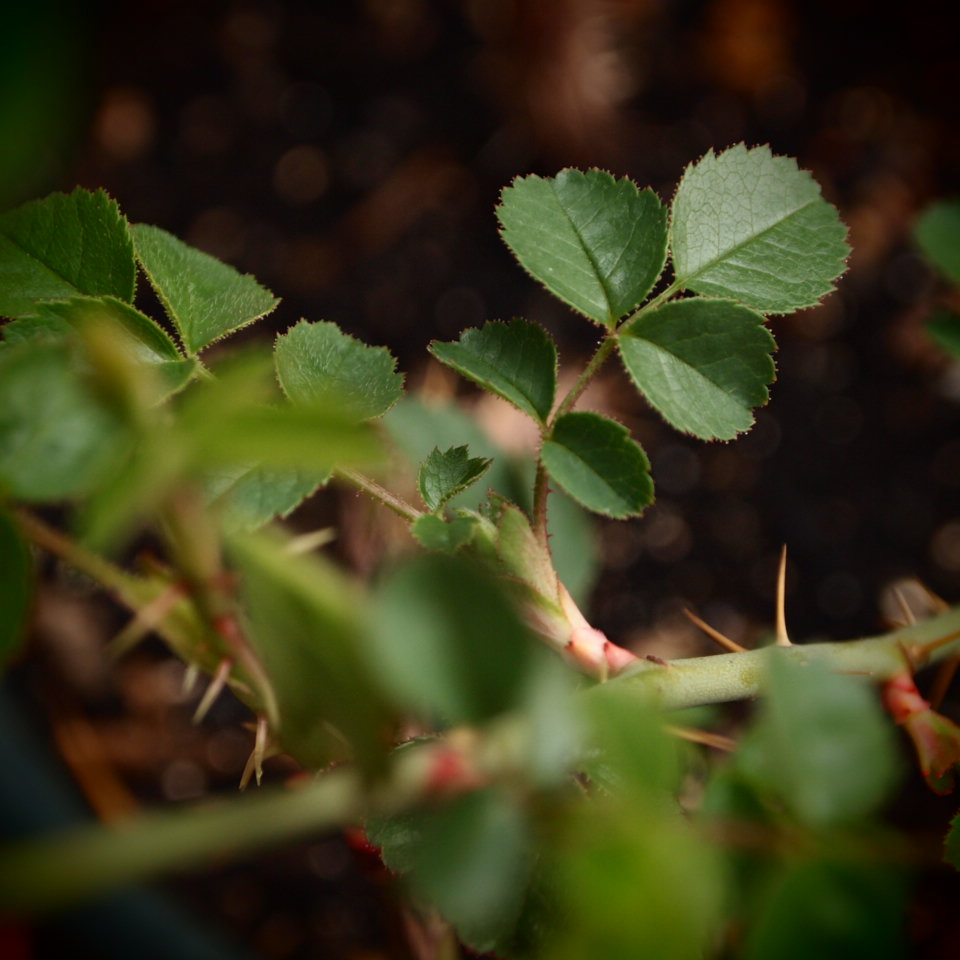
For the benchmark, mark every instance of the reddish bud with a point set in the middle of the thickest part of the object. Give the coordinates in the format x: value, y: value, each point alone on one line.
x: 935, y: 738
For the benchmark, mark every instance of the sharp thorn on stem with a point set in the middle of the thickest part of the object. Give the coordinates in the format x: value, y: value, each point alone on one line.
x: 714, y: 634
x: 190, y: 677
x: 716, y: 740
x: 254, y: 764
x: 783, y: 639
x: 908, y: 617
x: 217, y: 684
x: 145, y: 620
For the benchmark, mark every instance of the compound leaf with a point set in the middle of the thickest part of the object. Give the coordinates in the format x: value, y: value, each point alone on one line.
x: 751, y: 226
x: 598, y: 464
x: 597, y: 243
x: 205, y: 298
x: 703, y: 364
x: 446, y: 473
x: 316, y: 361
x: 515, y: 360
x: 63, y: 245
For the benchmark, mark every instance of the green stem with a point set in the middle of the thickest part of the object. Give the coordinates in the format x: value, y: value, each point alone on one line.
x: 541, y: 491
x: 740, y: 676
x: 589, y: 372
x: 69, y: 865
x: 657, y: 301
x: 130, y: 590
x: 53, y: 871
x: 390, y: 500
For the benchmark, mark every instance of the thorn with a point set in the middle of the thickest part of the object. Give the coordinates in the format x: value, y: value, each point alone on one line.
x: 783, y: 640
x: 146, y: 619
x: 708, y: 739
x: 217, y: 684
x: 924, y: 649
x: 190, y: 677
x: 307, y: 542
x: 254, y: 765
x: 714, y: 634
x: 908, y: 617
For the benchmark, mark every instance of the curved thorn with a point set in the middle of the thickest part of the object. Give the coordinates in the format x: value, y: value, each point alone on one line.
x: 783, y: 639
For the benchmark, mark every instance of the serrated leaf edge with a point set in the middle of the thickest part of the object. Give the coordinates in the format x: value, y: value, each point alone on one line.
x: 168, y: 309
x: 630, y: 437
x: 394, y: 371
x: 489, y: 387
x: 768, y: 313
x: 611, y: 321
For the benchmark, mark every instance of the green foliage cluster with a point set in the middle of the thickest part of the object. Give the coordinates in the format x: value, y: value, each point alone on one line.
x: 541, y: 812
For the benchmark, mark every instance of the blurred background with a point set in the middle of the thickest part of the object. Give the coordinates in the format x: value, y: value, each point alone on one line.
x: 350, y: 154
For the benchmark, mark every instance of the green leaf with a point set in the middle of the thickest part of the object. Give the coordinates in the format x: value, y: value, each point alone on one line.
x: 944, y: 329
x: 58, y: 440
x: 824, y: 909
x: 597, y: 243
x: 316, y: 361
x: 938, y: 234
x: 631, y: 879
x: 822, y: 744
x: 751, y: 226
x: 14, y: 587
x: 435, y: 533
x: 205, y: 299
x: 446, y: 473
x: 618, y: 720
x: 515, y: 360
x: 239, y: 419
x: 249, y: 497
x: 470, y: 859
x: 136, y: 334
x: 598, y: 464
x: 306, y: 626
x: 702, y: 364
x: 448, y: 642
x: 61, y: 246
